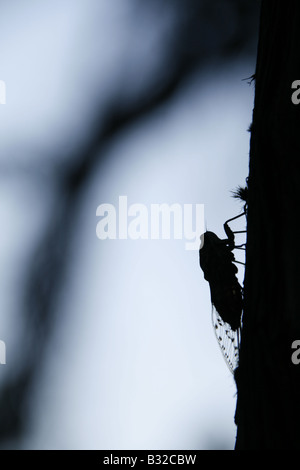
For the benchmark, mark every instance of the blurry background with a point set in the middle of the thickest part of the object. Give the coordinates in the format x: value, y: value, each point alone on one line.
x: 110, y: 343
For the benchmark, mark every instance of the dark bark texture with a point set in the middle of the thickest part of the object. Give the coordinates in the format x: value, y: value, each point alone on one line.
x: 268, y: 383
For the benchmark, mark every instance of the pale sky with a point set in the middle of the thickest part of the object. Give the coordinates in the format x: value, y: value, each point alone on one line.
x: 134, y: 363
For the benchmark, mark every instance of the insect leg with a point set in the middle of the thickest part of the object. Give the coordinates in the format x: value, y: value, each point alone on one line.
x: 230, y: 233
x: 236, y: 217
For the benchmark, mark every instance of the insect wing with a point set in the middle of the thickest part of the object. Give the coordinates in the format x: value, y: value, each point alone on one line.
x: 228, y: 340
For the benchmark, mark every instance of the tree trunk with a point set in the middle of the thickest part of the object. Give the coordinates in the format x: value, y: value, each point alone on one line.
x: 268, y: 382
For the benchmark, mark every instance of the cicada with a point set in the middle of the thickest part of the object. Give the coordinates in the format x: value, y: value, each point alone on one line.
x: 217, y: 261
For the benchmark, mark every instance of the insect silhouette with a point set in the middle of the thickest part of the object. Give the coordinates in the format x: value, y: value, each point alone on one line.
x: 218, y: 264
